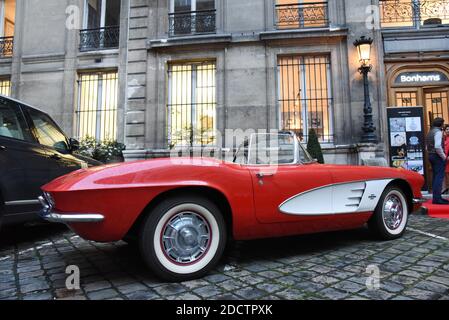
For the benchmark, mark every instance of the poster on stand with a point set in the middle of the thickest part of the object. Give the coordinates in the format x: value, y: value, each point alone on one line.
x: 406, y: 138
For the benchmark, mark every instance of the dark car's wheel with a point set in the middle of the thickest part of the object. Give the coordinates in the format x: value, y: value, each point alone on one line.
x: 183, y: 238
x: 390, y: 218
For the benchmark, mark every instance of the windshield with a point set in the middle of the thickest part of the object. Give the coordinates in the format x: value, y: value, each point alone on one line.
x: 304, y: 155
x: 272, y: 149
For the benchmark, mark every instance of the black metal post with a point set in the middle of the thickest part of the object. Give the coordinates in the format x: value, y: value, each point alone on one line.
x: 369, y: 130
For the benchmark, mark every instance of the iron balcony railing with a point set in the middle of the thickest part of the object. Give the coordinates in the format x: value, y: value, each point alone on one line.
x: 306, y: 15
x: 192, y: 22
x: 99, y: 38
x: 6, y: 46
x: 413, y: 13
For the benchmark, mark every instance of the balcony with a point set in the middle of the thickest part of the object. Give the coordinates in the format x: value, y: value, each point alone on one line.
x: 298, y: 16
x: 6, y: 46
x: 99, y: 38
x: 413, y: 13
x: 192, y: 23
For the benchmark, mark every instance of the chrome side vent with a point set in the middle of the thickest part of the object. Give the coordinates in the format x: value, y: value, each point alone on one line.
x: 356, y: 196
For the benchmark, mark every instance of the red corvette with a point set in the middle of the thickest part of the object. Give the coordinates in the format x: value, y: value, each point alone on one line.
x: 182, y: 210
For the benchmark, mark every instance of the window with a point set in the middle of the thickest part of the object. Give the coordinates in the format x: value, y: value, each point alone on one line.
x: 5, y: 87
x: 191, y: 104
x: 406, y: 99
x: 102, y: 13
x: 191, y: 17
x: 437, y: 103
x: 96, y: 111
x: 305, y: 99
x: 101, y: 25
x: 47, y: 132
x: 12, y: 122
x: 293, y: 14
x: 272, y: 149
x: 413, y: 13
x: 7, y: 23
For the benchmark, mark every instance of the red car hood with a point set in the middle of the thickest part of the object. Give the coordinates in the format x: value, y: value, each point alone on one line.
x: 137, y: 173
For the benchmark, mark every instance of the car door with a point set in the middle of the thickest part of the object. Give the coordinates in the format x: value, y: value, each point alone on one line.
x: 283, y: 180
x: 20, y: 154
x: 273, y: 188
x: 55, y: 144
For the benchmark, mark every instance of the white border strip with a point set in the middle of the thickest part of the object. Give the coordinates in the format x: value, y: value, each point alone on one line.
x: 428, y: 234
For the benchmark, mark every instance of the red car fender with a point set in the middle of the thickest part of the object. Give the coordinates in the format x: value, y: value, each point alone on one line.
x: 121, y: 193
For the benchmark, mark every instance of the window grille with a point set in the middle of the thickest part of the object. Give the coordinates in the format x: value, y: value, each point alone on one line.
x: 292, y: 14
x: 5, y: 87
x: 406, y: 99
x: 96, y: 111
x: 305, y: 96
x: 191, y: 108
x: 413, y: 13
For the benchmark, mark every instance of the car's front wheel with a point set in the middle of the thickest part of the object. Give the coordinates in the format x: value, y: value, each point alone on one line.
x: 183, y: 238
x: 390, y: 218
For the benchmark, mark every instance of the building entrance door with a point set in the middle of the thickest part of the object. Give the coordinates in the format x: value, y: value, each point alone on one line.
x: 437, y: 106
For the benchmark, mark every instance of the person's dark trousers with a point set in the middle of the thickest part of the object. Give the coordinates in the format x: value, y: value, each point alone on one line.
x: 438, y: 171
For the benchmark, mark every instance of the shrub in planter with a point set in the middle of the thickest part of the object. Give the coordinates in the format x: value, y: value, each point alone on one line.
x: 314, y: 147
x: 89, y: 147
x: 106, y: 151
x: 112, y: 151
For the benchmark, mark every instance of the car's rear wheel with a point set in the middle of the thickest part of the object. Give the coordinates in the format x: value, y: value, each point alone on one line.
x: 183, y: 238
x: 390, y: 218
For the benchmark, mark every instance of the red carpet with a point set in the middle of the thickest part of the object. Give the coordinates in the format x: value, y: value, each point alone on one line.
x: 437, y: 211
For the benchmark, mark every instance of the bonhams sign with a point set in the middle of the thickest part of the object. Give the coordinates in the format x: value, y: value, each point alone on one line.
x: 421, y: 77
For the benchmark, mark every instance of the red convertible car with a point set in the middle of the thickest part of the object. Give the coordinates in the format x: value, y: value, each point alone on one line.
x: 182, y: 210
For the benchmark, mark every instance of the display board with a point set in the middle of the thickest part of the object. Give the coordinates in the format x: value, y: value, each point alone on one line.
x: 406, y: 138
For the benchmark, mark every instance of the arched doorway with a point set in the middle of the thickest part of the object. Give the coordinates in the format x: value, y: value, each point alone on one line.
x: 425, y: 85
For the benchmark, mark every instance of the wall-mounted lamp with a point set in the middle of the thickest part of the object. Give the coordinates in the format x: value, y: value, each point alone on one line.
x: 363, y: 46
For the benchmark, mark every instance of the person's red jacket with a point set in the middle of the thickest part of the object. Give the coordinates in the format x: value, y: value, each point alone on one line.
x: 446, y: 150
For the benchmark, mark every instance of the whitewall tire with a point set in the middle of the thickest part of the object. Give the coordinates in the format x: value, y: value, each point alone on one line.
x: 183, y: 238
x: 390, y: 218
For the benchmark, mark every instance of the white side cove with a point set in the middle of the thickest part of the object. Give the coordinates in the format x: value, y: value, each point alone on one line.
x: 351, y: 197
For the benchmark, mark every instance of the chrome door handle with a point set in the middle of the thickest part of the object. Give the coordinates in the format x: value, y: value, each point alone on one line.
x: 2, y: 148
x: 262, y: 175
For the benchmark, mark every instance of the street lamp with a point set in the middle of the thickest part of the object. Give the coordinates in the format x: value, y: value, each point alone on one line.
x: 363, y: 46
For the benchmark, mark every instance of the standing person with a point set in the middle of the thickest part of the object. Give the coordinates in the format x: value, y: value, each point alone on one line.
x: 437, y: 158
x: 446, y: 151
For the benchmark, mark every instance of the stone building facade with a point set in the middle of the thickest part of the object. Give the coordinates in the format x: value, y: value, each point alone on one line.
x: 156, y: 74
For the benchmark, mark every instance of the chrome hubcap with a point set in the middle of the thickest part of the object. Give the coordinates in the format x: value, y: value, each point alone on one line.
x: 186, y: 238
x: 393, y: 212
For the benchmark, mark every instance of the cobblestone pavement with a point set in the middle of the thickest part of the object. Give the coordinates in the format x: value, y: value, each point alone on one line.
x: 326, y: 266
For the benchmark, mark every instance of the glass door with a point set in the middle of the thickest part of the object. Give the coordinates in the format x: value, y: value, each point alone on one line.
x: 436, y: 105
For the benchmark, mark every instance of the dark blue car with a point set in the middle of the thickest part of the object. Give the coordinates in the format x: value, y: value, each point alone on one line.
x: 33, y: 151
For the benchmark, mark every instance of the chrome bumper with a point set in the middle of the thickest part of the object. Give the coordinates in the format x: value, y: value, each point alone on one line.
x: 47, y: 213
x: 420, y: 201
